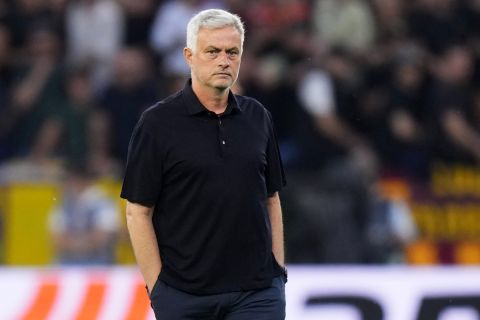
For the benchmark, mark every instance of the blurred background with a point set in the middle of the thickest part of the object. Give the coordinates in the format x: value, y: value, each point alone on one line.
x: 376, y: 105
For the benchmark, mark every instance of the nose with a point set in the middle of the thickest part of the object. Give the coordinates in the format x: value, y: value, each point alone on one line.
x: 224, y: 60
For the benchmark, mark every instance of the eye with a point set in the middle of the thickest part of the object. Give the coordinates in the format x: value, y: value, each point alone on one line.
x: 233, y: 53
x: 212, y: 53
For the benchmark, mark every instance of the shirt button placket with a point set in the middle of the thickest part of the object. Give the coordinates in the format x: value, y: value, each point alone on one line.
x: 221, y: 136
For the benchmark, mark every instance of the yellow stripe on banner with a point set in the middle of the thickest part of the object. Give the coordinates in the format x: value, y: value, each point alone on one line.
x: 27, y: 238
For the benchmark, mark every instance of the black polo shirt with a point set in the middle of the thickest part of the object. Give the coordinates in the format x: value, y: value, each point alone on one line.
x: 208, y: 177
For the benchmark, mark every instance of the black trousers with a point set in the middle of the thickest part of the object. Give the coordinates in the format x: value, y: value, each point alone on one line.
x: 265, y: 304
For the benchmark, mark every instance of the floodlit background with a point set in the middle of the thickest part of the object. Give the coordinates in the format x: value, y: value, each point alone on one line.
x: 377, y: 110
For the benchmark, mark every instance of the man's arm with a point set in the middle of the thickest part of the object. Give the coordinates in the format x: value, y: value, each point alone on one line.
x: 144, y: 242
x: 276, y: 221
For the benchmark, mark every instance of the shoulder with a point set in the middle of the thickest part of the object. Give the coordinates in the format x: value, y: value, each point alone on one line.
x: 252, y: 106
x: 163, y: 111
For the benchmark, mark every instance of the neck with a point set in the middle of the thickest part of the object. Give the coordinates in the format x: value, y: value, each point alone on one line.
x: 213, y: 99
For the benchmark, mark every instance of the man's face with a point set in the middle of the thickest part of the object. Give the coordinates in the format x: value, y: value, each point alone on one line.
x: 216, y: 61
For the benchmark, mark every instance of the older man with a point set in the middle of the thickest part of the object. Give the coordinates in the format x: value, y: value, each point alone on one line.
x: 202, y: 183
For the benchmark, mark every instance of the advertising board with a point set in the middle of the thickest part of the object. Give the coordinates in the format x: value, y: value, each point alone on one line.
x: 313, y: 293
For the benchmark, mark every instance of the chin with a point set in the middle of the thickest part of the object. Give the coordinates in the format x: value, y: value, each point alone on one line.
x: 222, y: 86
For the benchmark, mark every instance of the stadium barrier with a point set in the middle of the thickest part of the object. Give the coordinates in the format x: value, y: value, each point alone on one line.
x: 313, y: 293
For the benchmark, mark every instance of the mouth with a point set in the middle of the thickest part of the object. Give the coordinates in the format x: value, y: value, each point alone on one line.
x: 223, y: 74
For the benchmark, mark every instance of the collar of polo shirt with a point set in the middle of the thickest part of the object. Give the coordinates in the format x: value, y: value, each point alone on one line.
x: 194, y: 106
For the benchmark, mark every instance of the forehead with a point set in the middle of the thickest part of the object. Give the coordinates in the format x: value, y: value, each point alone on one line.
x: 219, y: 37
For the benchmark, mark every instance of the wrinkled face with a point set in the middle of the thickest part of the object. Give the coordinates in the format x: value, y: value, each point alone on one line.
x: 216, y: 61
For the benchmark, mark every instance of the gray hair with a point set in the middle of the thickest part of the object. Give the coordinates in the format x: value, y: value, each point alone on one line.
x: 213, y: 19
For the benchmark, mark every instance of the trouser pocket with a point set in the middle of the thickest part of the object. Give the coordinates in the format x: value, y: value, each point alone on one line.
x: 155, y: 285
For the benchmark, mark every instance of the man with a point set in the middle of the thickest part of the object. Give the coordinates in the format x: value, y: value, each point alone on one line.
x: 202, y: 182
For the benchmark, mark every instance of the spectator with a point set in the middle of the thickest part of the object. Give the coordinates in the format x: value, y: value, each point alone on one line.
x: 344, y: 23
x: 326, y: 97
x: 85, y: 225
x: 78, y: 108
x: 88, y: 129
x: 139, y: 17
x: 132, y: 91
x: 38, y: 92
x: 406, y: 146
x: 451, y: 102
x: 95, y: 31
x: 331, y: 181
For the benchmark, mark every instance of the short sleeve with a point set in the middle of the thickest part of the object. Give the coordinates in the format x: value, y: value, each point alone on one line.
x: 274, y: 174
x: 143, y: 174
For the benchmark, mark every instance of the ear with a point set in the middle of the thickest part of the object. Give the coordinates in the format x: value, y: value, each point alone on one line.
x: 188, y: 54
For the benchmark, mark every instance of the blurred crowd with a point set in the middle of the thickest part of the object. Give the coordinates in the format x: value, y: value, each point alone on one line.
x: 358, y: 89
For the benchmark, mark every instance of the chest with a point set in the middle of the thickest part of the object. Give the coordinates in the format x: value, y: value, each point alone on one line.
x: 201, y: 144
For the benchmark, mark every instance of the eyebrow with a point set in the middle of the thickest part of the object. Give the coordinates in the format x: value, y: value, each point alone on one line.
x: 212, y: 47
x: 228, y: 49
